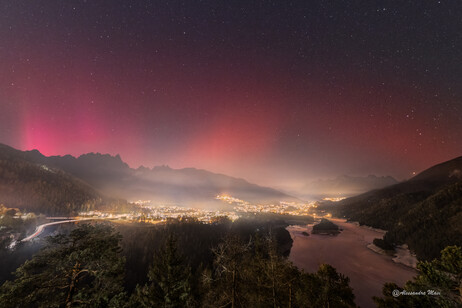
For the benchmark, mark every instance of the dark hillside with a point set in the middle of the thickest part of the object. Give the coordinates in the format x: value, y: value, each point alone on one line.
x: 424, y: 212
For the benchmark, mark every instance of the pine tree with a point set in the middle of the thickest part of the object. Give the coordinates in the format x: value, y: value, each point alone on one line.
x: 277, y: 277
x: 169, y: 278
x: 228, y: 286
x: 325, y: 288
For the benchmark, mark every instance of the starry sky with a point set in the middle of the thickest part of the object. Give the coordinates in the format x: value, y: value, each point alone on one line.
x: 277, y: 92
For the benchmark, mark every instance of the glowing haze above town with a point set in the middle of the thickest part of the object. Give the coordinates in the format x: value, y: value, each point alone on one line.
x: 278, y: 93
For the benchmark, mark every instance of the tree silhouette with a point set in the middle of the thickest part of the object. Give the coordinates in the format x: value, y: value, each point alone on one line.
x: 169, y: 278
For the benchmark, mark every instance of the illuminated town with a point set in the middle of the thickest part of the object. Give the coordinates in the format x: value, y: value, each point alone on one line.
x: 148, y: 212
x: 283, y: 208
x: 158, y: 213
x: 334, y: 199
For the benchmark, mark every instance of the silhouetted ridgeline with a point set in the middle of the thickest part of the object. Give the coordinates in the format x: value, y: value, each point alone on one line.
x: 424, y: 212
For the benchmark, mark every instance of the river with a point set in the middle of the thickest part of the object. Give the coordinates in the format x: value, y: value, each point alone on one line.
x: 348, y: 253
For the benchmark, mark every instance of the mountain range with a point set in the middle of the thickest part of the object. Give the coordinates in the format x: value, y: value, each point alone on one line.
x: 109, y: 175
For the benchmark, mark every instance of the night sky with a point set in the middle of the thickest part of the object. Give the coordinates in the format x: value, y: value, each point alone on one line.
x: 277, y: 92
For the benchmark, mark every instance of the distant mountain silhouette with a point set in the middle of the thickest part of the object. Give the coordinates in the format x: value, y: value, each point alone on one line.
x: 32, y: 186
x: 346, y: 186
x: 189, y: 186
x: 424, y: 212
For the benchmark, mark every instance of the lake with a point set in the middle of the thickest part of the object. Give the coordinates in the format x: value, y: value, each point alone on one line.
x: 348, y: 253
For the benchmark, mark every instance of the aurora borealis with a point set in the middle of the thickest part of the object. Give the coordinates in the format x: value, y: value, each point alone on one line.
x: 277, y: 92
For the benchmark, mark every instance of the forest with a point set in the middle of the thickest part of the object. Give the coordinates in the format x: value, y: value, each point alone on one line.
x: 189, y: 264
x: 181, y: 264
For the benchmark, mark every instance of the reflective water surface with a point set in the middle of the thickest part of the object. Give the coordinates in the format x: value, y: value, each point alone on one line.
x: 347, y: 252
